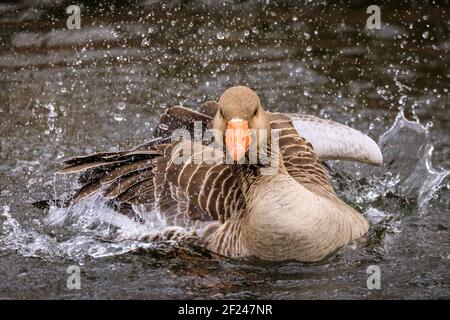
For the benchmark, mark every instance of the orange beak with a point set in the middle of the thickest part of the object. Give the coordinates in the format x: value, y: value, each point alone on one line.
x: 237, y: 138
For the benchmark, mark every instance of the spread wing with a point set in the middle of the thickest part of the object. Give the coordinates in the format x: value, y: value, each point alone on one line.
x: 184, y: 191
x: 335, y: 141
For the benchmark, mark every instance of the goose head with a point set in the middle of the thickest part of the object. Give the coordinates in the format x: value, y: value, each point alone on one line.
x: 241, y: 123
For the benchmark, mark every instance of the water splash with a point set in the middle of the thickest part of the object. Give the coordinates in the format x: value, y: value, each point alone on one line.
x: 91, y: 229
x: 407, y: 151
x: 406, y: 183
x: 407, y: 172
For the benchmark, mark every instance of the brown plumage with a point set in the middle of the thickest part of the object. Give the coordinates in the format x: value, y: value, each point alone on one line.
x: 229, y: 195
x: 117, y: 173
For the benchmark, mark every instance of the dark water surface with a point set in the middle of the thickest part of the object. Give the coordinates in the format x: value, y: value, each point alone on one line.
x: 103, y: 87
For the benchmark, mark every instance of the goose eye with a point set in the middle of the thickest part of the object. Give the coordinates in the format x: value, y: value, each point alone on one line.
x: 256, y: 112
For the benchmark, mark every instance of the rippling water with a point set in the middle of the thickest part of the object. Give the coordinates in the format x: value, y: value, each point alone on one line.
x: 70, y: 92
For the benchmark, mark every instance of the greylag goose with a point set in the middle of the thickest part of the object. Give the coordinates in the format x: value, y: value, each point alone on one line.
x: 259, y: 190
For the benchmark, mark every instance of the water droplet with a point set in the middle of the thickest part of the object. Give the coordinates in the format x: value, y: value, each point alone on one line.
x: 121, y: 105
x: 220, y: 35
x: 246, y: 33
x: 5, y: 210
x: 118, y: 117
x: 163, y: 126
x: 425, y: 35
x: 51, y: 110
x: 308, y: 49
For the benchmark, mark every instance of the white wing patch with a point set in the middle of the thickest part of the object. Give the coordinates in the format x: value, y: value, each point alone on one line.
x: 335, y: 141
